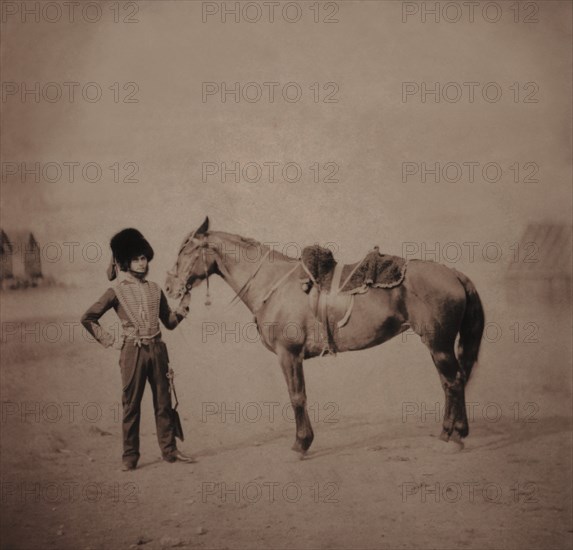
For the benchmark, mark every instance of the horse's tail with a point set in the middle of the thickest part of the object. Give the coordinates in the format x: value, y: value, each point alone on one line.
x: 471, y: 329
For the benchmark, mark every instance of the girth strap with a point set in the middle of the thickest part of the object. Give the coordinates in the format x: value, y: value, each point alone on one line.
x: 336, y: 277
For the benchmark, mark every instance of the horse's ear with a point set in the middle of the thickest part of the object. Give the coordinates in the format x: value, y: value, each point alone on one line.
x: 204, y: 227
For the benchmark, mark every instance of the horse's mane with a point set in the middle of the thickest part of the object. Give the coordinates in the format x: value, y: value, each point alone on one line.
x: 237, y: 238
x: 248, y: 241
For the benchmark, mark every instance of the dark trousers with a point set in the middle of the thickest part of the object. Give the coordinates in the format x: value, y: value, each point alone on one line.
x: 139, y: 364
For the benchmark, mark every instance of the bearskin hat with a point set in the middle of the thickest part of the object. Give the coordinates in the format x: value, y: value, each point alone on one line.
x: 128, y: 244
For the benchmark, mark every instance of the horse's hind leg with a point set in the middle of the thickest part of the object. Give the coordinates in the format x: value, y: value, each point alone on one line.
x: 292, y: 369
x: 455, y: 424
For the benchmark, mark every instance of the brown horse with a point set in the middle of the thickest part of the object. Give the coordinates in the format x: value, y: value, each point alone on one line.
x: 437, y: 302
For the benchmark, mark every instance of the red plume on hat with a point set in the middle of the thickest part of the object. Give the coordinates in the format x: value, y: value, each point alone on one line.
x: 126, y: 245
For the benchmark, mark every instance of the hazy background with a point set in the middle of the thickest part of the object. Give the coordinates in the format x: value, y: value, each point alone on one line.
x: 170, y: 132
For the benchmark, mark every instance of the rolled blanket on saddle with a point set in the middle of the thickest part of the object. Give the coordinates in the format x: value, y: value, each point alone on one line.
x: 375, y: 270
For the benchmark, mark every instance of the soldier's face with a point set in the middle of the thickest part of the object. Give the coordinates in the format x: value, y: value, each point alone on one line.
x: 138, y: 264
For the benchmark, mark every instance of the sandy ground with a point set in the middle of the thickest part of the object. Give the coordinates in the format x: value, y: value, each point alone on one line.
x: 376, y: 475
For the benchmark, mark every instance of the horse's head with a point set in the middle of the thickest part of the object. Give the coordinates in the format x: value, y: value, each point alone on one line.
x: 195, y: 262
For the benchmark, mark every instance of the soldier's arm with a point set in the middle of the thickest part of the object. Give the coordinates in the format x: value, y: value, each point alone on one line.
x: 90, y: 319
x: 170, y: 318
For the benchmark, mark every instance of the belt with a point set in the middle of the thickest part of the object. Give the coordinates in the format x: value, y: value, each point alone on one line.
x: 144, y: 340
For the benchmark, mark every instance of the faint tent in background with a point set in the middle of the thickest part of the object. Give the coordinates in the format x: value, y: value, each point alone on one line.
x: 21, y: 259
x: 541, y: 266
x: 6, y: 272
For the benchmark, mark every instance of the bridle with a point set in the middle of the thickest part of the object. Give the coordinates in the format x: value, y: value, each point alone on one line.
x: 188, y: 286
x: 240, y: 293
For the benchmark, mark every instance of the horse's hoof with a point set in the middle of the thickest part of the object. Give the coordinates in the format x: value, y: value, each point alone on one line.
x: 298, y: 447
x: 300, y: 453
x: 454, y: 443
x: 453, y: 446
x: 461, y: 431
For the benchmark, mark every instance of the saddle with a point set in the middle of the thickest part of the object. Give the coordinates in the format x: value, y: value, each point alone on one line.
x: 375, y: 270
x: 331, y: 286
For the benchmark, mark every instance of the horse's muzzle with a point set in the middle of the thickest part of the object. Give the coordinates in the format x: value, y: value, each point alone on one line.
x: 174, y: 287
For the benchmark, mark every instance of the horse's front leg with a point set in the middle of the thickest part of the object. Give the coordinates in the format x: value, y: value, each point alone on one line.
x: 291, y: 365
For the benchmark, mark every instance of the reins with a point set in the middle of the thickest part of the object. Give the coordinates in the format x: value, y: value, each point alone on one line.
x: 244, y: 288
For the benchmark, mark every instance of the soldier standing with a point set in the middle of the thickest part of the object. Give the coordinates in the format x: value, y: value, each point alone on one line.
x: 139, y: 304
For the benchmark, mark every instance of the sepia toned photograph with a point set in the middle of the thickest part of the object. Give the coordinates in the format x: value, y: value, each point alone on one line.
x: 286, y: 274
